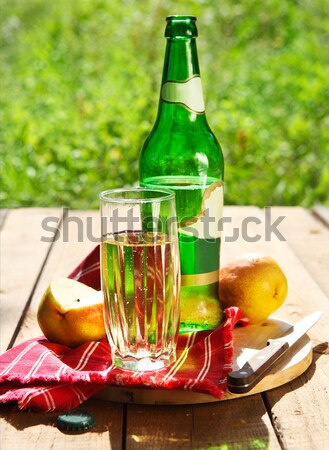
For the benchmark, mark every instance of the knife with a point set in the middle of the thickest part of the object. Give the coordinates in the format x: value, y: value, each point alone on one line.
x: 244, y: 379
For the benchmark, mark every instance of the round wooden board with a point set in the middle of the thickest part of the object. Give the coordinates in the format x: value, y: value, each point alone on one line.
x: 247, y: 341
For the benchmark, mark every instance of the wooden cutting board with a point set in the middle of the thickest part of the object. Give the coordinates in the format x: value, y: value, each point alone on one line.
x: 247, y: 341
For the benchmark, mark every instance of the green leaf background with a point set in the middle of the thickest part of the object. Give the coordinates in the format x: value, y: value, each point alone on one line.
x: 80, y: 84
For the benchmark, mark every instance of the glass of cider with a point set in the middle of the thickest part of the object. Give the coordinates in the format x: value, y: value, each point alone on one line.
x: 140, y: 275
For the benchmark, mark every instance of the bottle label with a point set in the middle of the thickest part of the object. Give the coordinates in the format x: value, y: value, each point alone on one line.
x: 186, y: 93
x: 199, y: 240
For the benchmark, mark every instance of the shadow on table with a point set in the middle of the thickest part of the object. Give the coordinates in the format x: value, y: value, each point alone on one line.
x: 273, y: 396
x: 238, y: 424
x: 109, y: 417
x: 319, y: 351
x: 231, y: 424
x: 243, y: 423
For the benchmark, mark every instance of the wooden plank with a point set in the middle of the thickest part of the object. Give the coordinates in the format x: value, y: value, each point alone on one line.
x: 301, y: 431
x: 23, y: 255
x: 309, y: 239
x: 72, y: 246
x: 237, y: 424
x: 33, y: 431
x: 3, y: 214
x: 300, y: 409
x: 241, y: 424
x: 74, y: 243
x: 322, y: 213
x: 307, y: 395
x: 159, y: 427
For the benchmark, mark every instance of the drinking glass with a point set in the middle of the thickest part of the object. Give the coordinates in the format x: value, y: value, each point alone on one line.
x: 140, y: 276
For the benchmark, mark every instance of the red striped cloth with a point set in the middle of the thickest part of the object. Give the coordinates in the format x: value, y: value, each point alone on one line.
x: 45, y: 376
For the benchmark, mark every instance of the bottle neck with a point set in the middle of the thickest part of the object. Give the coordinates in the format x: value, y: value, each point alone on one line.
x: 181, y: 97
x: 181, y: 60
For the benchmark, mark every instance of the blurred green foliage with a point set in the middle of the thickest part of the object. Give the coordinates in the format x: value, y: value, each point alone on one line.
x: 80, y: 83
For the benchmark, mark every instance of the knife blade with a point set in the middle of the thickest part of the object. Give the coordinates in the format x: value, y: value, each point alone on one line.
x: 244, y: 379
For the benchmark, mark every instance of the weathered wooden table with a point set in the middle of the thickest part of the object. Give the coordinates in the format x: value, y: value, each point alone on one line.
x: 293, y: 416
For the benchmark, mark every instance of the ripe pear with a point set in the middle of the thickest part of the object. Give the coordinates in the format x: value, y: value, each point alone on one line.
x: 71, y: 313
x: 255, y: 283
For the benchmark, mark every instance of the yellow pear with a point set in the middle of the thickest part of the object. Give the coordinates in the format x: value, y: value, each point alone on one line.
x: 71, y: 313
x: 255, y: 283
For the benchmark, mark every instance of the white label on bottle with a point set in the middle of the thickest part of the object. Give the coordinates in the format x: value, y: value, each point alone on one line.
x: 186, y: 93
x: 207, y: 224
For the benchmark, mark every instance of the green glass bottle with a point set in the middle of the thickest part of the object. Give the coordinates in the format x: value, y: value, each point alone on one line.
x: 182, y: 153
